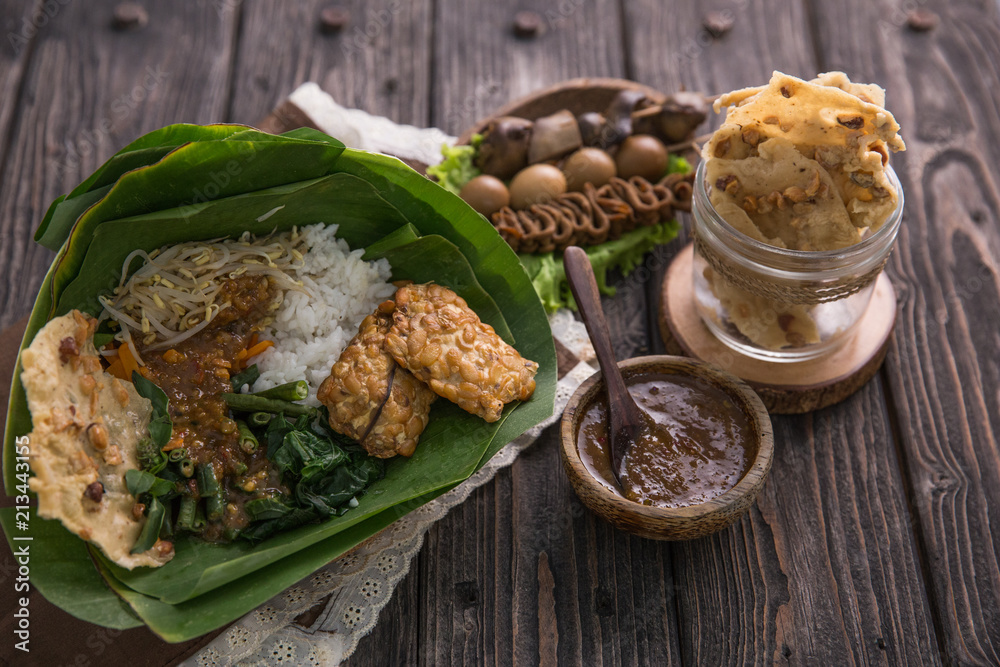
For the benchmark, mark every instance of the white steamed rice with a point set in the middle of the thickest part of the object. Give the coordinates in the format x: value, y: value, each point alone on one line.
x: 313, y: 327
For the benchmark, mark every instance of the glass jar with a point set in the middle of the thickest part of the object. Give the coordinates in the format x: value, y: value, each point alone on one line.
x: 782, y: 305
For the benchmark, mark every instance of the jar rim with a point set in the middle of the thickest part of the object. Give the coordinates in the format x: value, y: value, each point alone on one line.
x: 883, y: 235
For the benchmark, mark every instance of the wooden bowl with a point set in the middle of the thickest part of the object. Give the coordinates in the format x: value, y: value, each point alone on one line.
x: 660, y: 523
x: 577, y: 95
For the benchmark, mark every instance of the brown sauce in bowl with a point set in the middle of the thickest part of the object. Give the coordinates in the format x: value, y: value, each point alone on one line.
x: 697, y: 444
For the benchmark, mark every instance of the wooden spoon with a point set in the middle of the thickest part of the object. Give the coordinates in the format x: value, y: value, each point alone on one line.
x: 626, y: 419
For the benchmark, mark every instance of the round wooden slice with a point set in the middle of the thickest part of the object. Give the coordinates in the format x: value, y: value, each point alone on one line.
x: 785, y: 388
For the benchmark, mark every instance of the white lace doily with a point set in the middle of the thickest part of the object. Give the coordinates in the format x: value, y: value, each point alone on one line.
x: 362, y: 582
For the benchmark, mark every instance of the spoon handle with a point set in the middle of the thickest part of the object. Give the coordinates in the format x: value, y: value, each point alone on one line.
x: 624, y: 414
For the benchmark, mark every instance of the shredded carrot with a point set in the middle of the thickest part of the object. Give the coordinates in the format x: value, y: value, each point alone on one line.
x: 175, y: 443
x: 254, y: 337
x: 259, y: 347
x: 127, y: 360
x: 172, y: 356
x: 117, y: 369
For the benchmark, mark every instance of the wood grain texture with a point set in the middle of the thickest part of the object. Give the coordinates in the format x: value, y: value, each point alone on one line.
x: 89, y: 90
x: 943, y: 371
x: 612, y: 594
x: 825, y: 569
x: 830, y: 566
x: 378, y: 62
x: 19, y: 25
x: 480, y: 65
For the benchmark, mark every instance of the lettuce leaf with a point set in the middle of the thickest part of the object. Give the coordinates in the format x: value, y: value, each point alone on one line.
x: 457, y: 168
x: 548, y: 275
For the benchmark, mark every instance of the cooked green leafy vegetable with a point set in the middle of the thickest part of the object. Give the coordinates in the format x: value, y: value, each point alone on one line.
x: 247, y: 376
x: 142, y: 481
x: 324, y: 470
x: 548, y: 274
x: 160, y: 426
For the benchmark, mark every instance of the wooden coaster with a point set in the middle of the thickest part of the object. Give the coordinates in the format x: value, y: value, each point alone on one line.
x: 785, y: 388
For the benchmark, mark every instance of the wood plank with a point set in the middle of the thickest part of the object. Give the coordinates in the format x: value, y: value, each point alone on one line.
x: 378, y: 62
x: 943, y: 372
x: 824, y: 570
x: 88, y: 91
x: 390, y: 38
x: 19, y: 24
x: 522, y: 572
x: 480, y: 64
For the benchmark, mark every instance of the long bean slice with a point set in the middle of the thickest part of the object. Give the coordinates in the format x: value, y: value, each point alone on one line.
x: 247, y: 376
x: 248, y: 441
x: 150, y: 532
x: 251, y: 403
x: 185, y: 515
x: 199, y: 522
x: 290, y: 391
x: 208, y: 482
x: 259, y: 419
x: 214, y: 506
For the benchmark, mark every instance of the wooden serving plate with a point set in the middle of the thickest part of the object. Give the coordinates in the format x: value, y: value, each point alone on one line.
x: 576, y: 95
x: 785, y: 388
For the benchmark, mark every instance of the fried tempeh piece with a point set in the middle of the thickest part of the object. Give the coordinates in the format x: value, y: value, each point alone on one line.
x: 444, y: 343
x: 371, y: 399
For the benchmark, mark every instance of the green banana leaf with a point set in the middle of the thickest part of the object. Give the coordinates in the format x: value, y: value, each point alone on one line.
x: 363, y: 215
x: 187, y: 620
x: 408, y: 260
x: 142, y: 152
x: 450, y: 450
x: 62, y: 571
x: 371, y: 197
x: 193, y: 173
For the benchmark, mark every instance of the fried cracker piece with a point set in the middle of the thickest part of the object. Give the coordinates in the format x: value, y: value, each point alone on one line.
x: 86, y: 427
x: 444, y: 343
x: 841, y: 124
x: 782, y: 198
x: 767, y: 323
x: 371, y: 398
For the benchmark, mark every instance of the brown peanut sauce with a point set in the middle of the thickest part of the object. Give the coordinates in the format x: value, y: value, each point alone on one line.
x: 696, y: 445
x: 195, y: 374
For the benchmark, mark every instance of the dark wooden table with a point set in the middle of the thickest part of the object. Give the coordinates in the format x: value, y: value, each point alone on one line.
x: 876, y: 537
